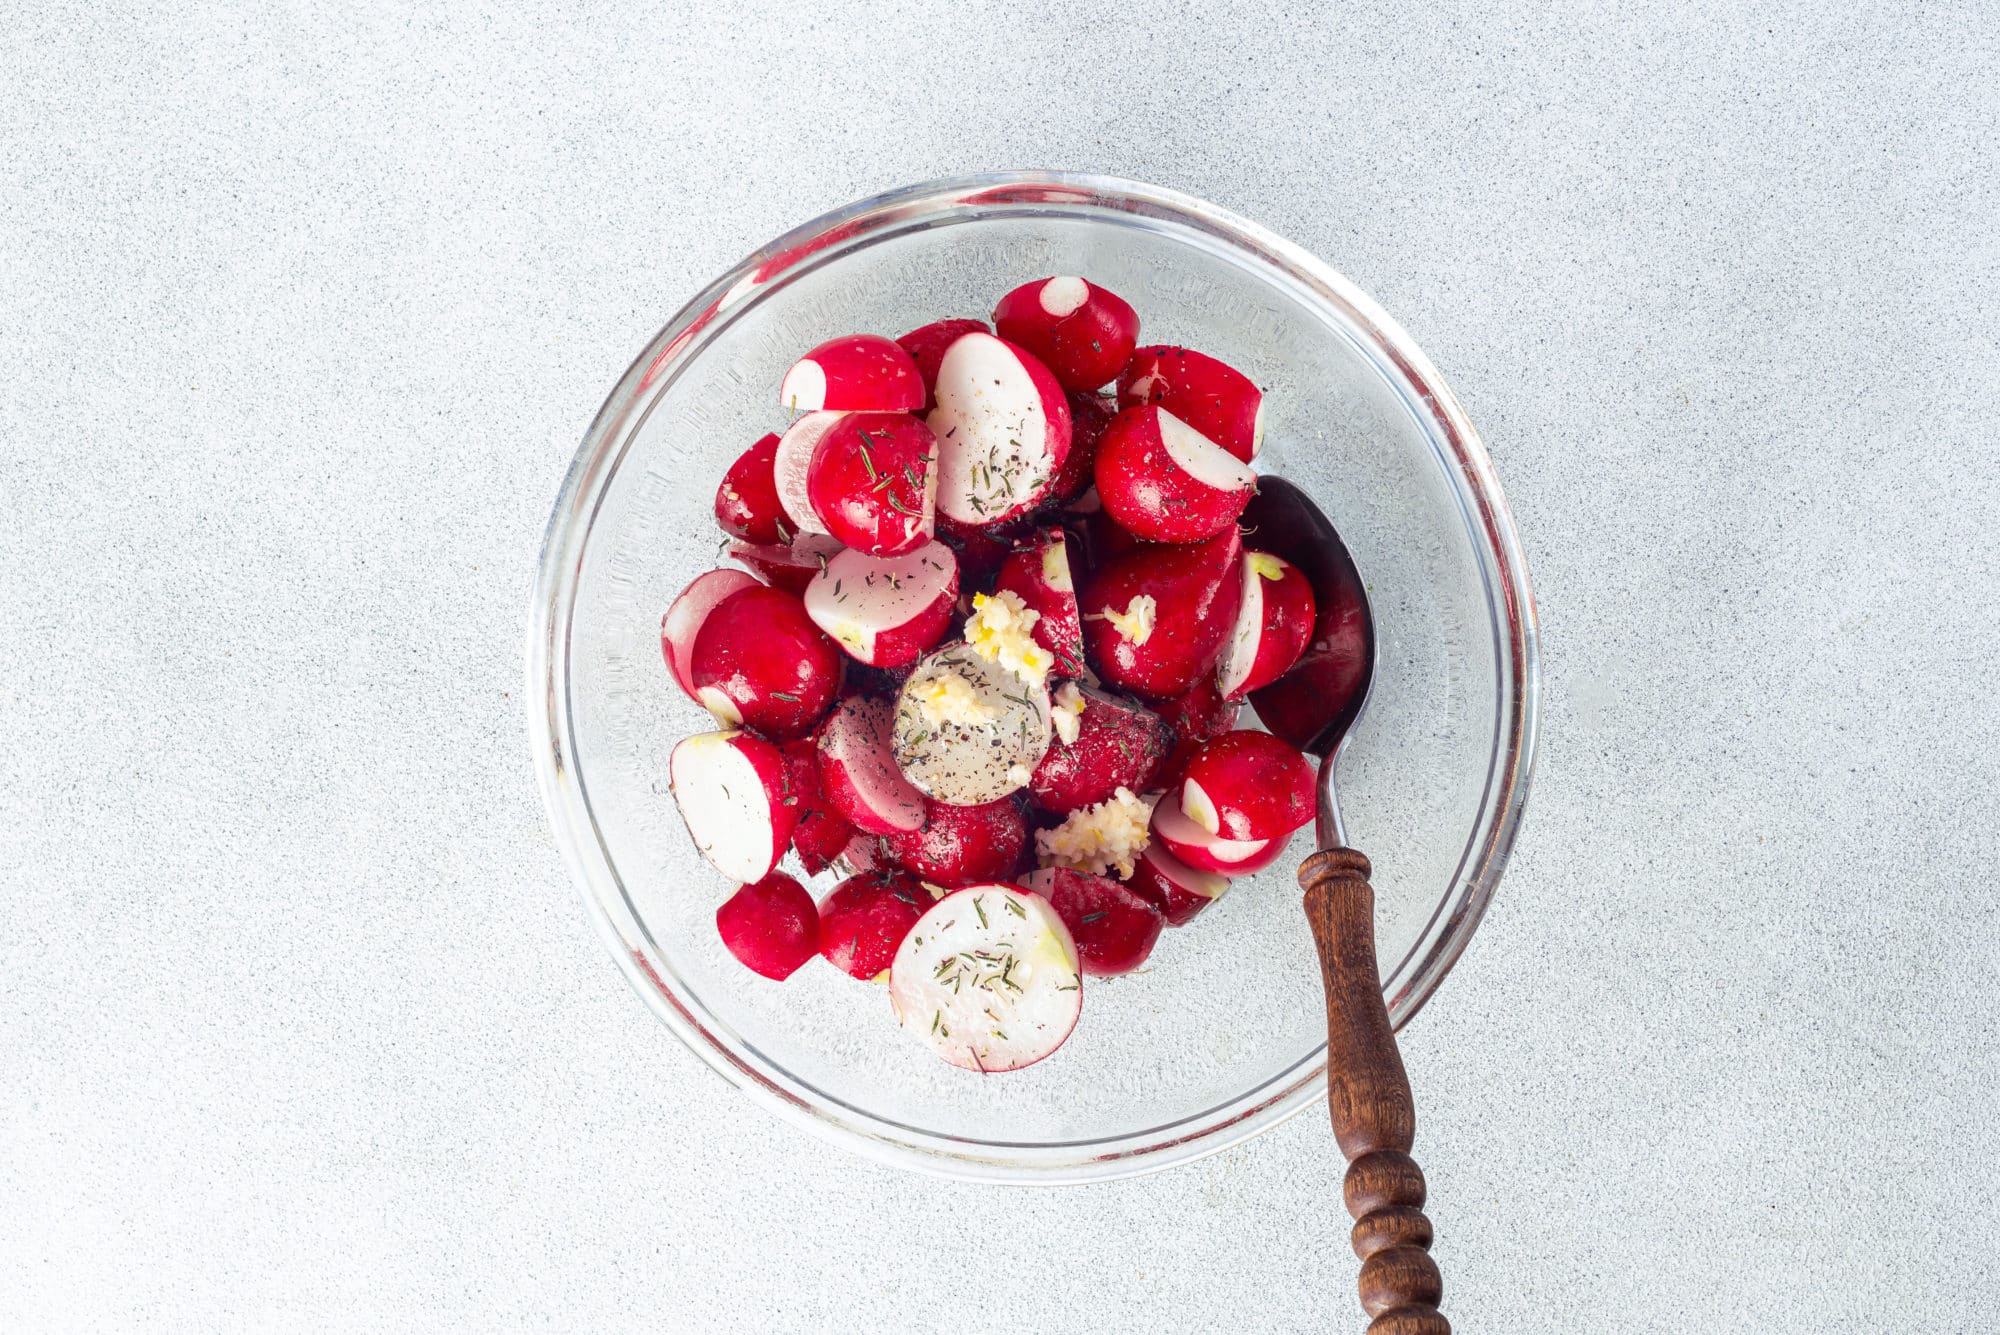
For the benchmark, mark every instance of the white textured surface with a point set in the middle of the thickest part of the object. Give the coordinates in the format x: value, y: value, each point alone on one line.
x: 301, y: 315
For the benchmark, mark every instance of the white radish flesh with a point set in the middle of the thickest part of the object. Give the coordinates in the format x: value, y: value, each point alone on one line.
x: 1002, y: 430
x: 967, y: 730
x: 732, y: 797
x: 857, y: 770
x: 684, y: 618
x: 791, y: 463
x: 1203, y: 459
x: 1239, y: 652
x: 989, y: 978
x: 873, y: 606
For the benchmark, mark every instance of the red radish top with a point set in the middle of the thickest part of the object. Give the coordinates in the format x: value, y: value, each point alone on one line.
x: 746, y: 504
x: 1209, y: 395
x: 771, y: 926
x: 1083, y: 333
x: 684, y: 620
x: 864, y: 373
x: 1248, y: 785
x: 759, y: 661
x: 1154, y: 621
x: 872, y: 483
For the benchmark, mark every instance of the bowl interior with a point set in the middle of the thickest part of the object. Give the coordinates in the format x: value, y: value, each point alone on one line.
x: 1223, y: 1032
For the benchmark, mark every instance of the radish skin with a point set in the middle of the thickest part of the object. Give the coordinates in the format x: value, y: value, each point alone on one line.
x: 1002, y: 426
x: 863, y: 373
x: 684, y: 620
x: 771, y: 926
x: 1083, y: 333
x: 857, y: 770
x: 1208, y: 394
x: 885, y: 612
x: 759, y: 661
x: 747, y: 504
x: 1163, y: 481
x: 872, y: 484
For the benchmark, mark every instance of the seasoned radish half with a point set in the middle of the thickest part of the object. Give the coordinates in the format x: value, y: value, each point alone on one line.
x: 1210, y: 852
x: 1272, y: 627
x: 885, y: 611
x: 960, y: 845
x: 1116, y: 744
x: 771, y: 926
x: 791, y: 465
x: 746, y: 504
x: 967, y: 729
x: 788, y: 566
x: 1173, y: 887
x: 926, y: 346
x: 1164, y: 481
x: 872, y: 484
x: 1038, y: 572
x: 1248, y: 785
x: 862, y: 373
x: 1002, y: 426
x: 1081, y: 332
x: 1155, y: 619
x: 679, y: 626
x: 732, y: 790
x: 864, y: 919
x: 1211, y: 396
x: 760, y: 662
x: 989, y: 977
x: 857, y: 770
x: 1114, y: 927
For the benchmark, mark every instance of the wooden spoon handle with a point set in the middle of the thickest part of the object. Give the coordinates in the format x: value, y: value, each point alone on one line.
x: 1369, y: 1097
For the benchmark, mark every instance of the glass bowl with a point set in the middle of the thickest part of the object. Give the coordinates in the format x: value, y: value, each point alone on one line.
x: 1222, y: 1036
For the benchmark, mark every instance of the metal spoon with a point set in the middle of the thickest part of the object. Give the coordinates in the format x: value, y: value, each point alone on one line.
x: 1368, y: 1094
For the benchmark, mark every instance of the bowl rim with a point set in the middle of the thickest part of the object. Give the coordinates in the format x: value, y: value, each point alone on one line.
x: 1410, y: 373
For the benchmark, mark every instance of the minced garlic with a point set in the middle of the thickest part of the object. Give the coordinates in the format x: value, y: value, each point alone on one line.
x: 1098, y: 838
x: 1001, y: 628
x: 950, y: 698
x: 1135, y: 624
x: 1067, y: 715
x: 1270, y: 567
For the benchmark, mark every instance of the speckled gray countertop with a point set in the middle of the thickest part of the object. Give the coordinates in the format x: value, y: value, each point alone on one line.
x: 301, y: 316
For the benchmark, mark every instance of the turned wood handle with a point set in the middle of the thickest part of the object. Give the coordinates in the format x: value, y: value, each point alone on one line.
x: 1368, y: 1096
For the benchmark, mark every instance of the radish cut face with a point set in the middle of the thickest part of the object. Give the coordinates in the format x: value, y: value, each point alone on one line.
x: 1203, y: 851
x: 731, y: 790
x: 885, y: 611
x: 989, y: 977
x: 967, y: 730
x: 1002, y: 426
x: 857, y: 770
x: 683, y: 621
x: 792, y: 464
x: 1272, y: 627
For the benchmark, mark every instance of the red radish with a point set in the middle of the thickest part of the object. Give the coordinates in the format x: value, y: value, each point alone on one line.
x: 746, y: 504
x: 789, y: 567
x: 1002, y: 426
x: 1210, y: 852
x: 1173, y: 887
x: 857, y: 770
x: 759, y: 661
x: 791, y: 466
x: 872, y: 484
x: 860, y: 373
x: 1164, y: 481
x: 864, y: 919
x: 926, y: 346
x: 683, y: 620
x: 1211, y: 396
x: 886, y: 612
x: 1248, y: 785
x: 1118, y: 743
x: 1114, y: 928
x: 1272, y: 627
x: 968, y: 730
x: 960, y: 845
x: 732, y: 790
x: 1195, y: 717
x: 1038, y: 571
x: 1089, y: 414
x: 1154, y: 621
x: 1328, y: 674
x: 1082, y: 333
x: 770, y: 925
x: 821, y: 836
x: 989, y: 978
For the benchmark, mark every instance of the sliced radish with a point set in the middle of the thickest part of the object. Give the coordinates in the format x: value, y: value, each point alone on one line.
x: 1114, y: 928
x: 1002, y: 426
x: 1203, y: 851
x: 1082, y: 333
x: 683, y: 620
x: 864, y: 919
x: 788, y: 566
x: 1154, y: 620
x: 1038, y: 572
x: 1170, y: 885
x: 862, y: 373
x: 1089, y: 414
x: 872, y: 484
x: 1209, y: 395
x: 791, y: 464
x: 821, y: 835
x: 886, y: 612
x: 1164, y: 481
x: 857, y: 770
x: 770, y: 925
x: 989, y: 978
x: 731, y: 789
x: 968, y: 730
x: 1195, y: 717
x: 959, y: 845
x: 1248, y: 785
x: 1272, y: 627
x: 759, y: 661
x: 747, y: 504
x: 926, y: 346
x: 1118, y: 744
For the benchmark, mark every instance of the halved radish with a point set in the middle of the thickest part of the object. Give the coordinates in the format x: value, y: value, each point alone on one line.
x: 770, y: 925
x: 926, y: 347
x: 862, y: 373
x: 1195, y: 717
x: 1272, y: 627
x: 746, y: 504
x: 1089, y: 414
x: 1164, y: 481
x: 731, y: 790
x: 1155, y: 619
x: 1117, y: 745
x: 791, y: 463
x: 1038, y: 572
x: 968, y: 730
x: 1170, y: 885
x: 1114, y: 928
x: 1331, y: 671
x: 1209, y: 395
x: 864, y: 919
x: 886, y: 611
x: 821, y: 835
x: 759, y: 661
x: 873, y: 484
x: 857, y: 770
x: 1083, y: 333
x: 1248, y: 785
x: 958, y: 844
x: 1210, y: 852
x: 989, y: 978
x: 683, y: 620
x: 1002, y: 426
x: 788, y: 566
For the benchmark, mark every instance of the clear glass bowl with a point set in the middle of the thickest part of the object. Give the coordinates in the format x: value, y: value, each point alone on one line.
x: 1223, y: 1035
